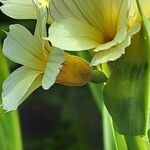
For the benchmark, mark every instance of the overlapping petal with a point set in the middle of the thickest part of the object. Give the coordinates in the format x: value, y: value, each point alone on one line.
x: 19, y: 9
x: 19, y: 85
x: 42, y: 16
x: 53, y: 66
x: 72, y: 34
x: 41, y: 63
x: 97, y: 25
x: 21, y: 47
x: 116, y: 51
x: 100, y: 14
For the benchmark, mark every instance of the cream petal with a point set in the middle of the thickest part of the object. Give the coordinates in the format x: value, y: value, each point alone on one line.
x: 60, y: 9
x: 19, y: 9
x: 20, y: 46
x: 110, y: 19
x: 105, y: 46
x: 42, y: 16
x: 74, y: 35
x: 114, y: 16
x: 63, y: 9
x: 100, y: 14
x: 108, y: 55
x: 18, y: 86
x: 52, y: 69
x: 116, y: 51
x: 119, y: 38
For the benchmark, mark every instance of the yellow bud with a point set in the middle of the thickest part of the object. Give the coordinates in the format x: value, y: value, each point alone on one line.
x: 75, y: 71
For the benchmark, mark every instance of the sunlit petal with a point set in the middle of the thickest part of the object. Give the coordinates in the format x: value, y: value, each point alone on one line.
x: 53, y: 66
x: 19, y: 9
x: 116, y: 51
x: 20, y: 46
x: 98, y: 13
x: 97, y: 25
x: 71, y: 34
x: 20, y: 84
x: 42, y: 16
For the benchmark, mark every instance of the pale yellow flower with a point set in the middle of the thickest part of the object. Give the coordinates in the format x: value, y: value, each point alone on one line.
x: 103, y: 27
x: 42, y: 65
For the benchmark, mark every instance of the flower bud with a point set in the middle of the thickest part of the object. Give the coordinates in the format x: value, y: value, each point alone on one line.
x: 75, y: 71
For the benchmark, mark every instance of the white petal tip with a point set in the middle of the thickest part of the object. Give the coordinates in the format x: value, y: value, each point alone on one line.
x: 45, y: 87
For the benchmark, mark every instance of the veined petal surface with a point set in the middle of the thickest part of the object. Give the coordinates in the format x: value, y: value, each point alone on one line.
x: 42, y: 16
x: 72, y: 34
x: 19, y: 85
x: 21, y: 47
x: 53, y: 66
x: 97, y: 25
x: 104, y: 16
x: 19, y: 9
x: 116, y: 51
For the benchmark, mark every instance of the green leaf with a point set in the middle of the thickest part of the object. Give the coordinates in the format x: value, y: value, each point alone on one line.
x: 126, y: 92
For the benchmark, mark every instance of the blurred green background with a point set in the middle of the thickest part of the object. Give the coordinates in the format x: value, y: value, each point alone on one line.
x: 62, y: 118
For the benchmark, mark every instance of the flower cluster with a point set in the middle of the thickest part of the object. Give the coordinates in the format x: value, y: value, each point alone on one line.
x: 103, y: 29
x: 42, y: 64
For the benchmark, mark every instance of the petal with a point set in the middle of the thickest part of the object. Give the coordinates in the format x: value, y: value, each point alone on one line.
x: 71, y: 34
x: 116, y: 51
x: 100, y: 14
x: 40, y: 30
x: 87, y: 11
x: 110, y: 19
x: 21, y: 47
x: 52, y: 69
x: 63, y: 9
x: 117, y: 19
x: 19, y: 9
x: 114, y: 16
x: 120, y: 37
x: 18, y: 86
x: 105, y: 46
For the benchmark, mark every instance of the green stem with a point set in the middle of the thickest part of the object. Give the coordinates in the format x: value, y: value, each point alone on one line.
x: 137, y: 143
x: 96, y: 90
x: 10, y: 135
x: 110, y: 142
x: 108, y: 137
x: 120, y: 141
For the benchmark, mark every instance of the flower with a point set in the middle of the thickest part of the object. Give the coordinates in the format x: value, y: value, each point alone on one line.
x: 43, y: 65
x: 21, y: 9
x: 40, y: 66
x: 102, y: 27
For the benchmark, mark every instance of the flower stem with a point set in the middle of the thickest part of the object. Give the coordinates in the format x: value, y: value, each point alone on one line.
x: 10, y: 135
x: 137, y: 143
